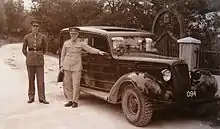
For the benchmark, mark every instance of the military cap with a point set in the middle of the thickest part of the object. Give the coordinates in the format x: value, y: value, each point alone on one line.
x: 35, y: 21
x: 74, y: 30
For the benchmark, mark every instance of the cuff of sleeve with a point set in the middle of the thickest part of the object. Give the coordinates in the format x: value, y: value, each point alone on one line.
x: 25, y: 53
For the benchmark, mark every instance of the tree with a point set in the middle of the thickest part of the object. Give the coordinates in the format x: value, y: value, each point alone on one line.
x: 54, y: 14
x: 2, y: 16
x: 88, y: 12
x: 15, y: 15
x: 127, y: 13
x: 200, y: 17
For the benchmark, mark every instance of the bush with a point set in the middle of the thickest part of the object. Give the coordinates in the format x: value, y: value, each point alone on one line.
x: 12, y: 39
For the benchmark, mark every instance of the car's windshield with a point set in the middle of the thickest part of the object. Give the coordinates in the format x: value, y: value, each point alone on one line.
x: 133, y: 44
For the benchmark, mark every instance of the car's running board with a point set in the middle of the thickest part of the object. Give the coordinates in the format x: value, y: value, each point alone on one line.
x: 100, y: 94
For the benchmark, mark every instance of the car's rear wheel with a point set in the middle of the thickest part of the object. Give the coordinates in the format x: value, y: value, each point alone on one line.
x: 136, y: 107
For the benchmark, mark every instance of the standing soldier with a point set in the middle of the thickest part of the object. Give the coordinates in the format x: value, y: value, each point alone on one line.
x: 34, y: 48
x: 71, y: 63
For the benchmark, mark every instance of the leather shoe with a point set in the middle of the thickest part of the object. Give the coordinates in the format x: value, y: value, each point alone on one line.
x: 43, y: 101
x: 68, y: 104
x: 74, y: 105
x: 30, y: 101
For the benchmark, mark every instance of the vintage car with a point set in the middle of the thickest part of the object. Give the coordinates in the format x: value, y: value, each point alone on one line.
x: 133, y: 74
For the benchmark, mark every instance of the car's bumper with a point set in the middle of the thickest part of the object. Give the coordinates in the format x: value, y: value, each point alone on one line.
x: 202, y: 101
x: 185, y: 103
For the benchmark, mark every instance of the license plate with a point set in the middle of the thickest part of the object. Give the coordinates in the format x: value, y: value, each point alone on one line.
x: 191, y: 93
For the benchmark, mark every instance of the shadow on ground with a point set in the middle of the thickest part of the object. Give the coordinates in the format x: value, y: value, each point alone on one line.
x: 159, y: 118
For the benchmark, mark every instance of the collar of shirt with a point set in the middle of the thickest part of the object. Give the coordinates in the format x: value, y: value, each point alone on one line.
x: 72, y: 43
x: 35, y: 35
x: 75, y: 41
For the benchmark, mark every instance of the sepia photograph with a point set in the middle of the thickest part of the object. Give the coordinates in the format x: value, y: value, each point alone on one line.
x: 110, y: 64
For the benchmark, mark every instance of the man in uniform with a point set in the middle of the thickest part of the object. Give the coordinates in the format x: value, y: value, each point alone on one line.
x: 34, y: 48
x: 71, y: 63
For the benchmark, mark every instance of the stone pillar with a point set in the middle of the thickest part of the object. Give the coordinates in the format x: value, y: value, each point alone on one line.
x: 187, y: 50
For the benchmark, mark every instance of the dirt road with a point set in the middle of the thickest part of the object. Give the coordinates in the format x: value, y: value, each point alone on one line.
x: 92, y: 113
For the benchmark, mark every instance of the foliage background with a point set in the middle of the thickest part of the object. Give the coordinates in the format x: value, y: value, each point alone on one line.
x: 200, y: 16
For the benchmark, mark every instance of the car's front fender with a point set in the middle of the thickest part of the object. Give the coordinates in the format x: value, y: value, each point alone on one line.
x: 145, y: 83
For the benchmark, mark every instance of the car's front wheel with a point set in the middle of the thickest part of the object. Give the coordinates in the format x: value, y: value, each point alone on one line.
x: 136, y: 107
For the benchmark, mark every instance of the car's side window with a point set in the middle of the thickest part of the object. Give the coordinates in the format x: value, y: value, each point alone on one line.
x: 100, y: 43
x: 84, y: 38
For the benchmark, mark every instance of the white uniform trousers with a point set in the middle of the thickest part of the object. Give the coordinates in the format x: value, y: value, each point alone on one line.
x: 71, y: 85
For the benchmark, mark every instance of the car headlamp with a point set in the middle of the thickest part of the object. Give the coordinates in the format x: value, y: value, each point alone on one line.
x: 166, y: 74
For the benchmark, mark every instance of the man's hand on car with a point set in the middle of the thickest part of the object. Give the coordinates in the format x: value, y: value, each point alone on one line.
x: 102, y: 53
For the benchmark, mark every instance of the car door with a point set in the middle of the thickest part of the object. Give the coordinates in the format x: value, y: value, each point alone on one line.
x: 103, y: 68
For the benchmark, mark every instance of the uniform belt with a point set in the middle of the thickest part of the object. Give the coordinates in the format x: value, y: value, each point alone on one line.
x: 33, y: 49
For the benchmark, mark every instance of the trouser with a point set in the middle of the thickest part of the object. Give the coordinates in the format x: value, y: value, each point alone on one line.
x: 39, y: 72
x: 71, y: 85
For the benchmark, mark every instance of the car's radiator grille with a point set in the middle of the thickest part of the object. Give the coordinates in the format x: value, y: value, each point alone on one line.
x: 181, y: 80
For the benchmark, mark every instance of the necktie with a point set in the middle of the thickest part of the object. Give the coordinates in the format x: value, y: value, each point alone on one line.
x: 35, y: 39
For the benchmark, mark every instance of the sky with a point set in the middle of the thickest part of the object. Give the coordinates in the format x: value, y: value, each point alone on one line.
x: 27, y: 4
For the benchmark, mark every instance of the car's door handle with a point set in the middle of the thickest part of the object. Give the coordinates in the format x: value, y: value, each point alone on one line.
x: 93, y: 58
x: 129, y: 68
x: 109, y: 57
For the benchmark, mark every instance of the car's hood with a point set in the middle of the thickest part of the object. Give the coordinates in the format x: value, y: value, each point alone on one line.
x: 146, y: 57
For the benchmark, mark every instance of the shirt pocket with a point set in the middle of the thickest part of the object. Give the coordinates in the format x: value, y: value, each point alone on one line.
x: 74, y: 49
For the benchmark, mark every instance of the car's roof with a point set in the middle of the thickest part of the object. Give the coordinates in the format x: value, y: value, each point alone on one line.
x: 109, y: 30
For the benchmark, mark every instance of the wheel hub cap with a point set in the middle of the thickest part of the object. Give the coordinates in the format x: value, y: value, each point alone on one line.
x: 133, y: 104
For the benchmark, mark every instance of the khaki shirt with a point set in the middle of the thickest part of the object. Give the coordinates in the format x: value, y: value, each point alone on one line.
x: 36, y: 42
x: 71, y: 59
